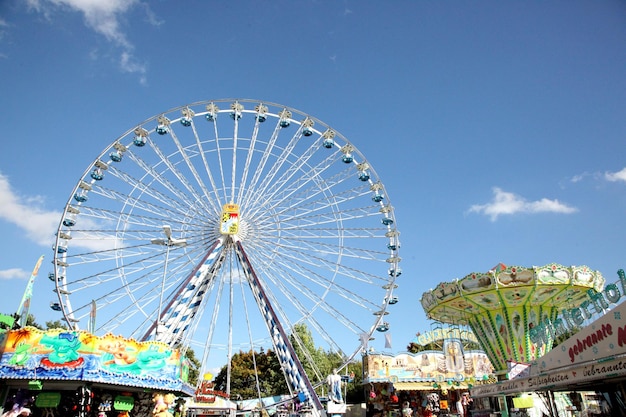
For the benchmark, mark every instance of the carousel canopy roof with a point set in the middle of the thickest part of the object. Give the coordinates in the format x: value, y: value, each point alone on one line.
x: 513, y: 286
x: 507, y: 305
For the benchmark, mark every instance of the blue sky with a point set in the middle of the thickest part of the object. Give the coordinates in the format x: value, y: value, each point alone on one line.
x: 497, y: 127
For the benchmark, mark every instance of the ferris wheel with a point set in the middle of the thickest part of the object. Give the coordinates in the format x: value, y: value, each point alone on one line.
x: 223, y: 225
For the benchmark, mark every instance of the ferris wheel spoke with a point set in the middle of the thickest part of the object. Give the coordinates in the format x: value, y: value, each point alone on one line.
x: 233, y: 175
x: 348, y: 296
x: 185, y: 303
x: 324, y: 248
x: 259, y: 174
x: 220, y: 163
x: 138, y: 254
x: 282, y: 160
x: 330, y: 233
x: 285, y: 319
x: 317, y: 194
x: 141, y: 289
x: 309, y: 281
x: 213, y: 189
x: 316, y: 216
x: 214, y: 318
x: 287, y: 184
x: 175, y: 196
x: 123, y: 316
x: 192, y: 169
x: 146, y: 188
x: 314, y: 172
x: 306, y: 311
x: 285, y: 352
x: 310, y: 190
x: 191, y: 194
x: 325, y: 219
x: 140, y: 271
x: 261, y: 110
x: 125, y: 310
x: 147, y: 218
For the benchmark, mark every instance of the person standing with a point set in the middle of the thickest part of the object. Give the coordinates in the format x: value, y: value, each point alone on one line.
x: 460, y: 407
x: 334, y: 387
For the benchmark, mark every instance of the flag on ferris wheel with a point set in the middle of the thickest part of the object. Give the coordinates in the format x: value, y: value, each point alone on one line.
x: 23, y: 309
x: 388, y: 341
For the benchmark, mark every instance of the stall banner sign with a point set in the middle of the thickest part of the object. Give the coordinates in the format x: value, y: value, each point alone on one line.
x: 604, y: 338
x: 598, y: 370
x: 448, y: 365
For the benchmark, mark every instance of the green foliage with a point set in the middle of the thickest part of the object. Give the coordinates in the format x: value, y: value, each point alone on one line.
x: 317, y: 364
x: 6, y: 322
x: 194, y: 367
x: 248, y: 380
x: 472, y: 346
x: 564, y: 336
x: 416, y: 347
x: 30, y: 321
x: 57, y: 324
x: 354, y: 389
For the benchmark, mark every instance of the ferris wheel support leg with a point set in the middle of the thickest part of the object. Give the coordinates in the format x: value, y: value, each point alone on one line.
x: 284, y: 349
x: 196, y: 283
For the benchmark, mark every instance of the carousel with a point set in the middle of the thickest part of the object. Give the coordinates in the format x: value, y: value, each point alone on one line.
x: 514, y: 311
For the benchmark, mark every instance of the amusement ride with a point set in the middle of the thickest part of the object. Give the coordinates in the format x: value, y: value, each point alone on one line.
x: 221, y: 226
x: 507, y: 305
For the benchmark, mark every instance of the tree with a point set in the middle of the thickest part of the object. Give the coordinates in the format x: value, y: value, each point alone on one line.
x: 57, y: 324
x: 564, y: 336
x: 30, y: 321
x: 316, y: 362
x: 437, y: 345
x: 194, y: 367
x: 416, y: 347
x: 354, y: 387
x: 248, y: 368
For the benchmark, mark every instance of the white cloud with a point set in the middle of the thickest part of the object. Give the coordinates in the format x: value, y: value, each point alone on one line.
x: 100, y: 15
x: 129, y: 64
x: 579, y: 177
x: 509, y: 203
x: 3, y: 25
x: 599, y: 176
x: 38, y: 224
x: 13, y: 273
x: 616, y: 176
x: 103, y: 17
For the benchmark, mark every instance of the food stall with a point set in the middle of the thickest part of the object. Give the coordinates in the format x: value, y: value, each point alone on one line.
x: 433, y: 379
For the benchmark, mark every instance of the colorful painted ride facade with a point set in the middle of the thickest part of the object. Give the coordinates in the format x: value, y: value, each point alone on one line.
x: 63, y: 372
x: 54, y: 355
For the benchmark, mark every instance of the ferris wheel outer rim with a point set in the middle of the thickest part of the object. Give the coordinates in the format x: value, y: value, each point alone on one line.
x: 65, y: 300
